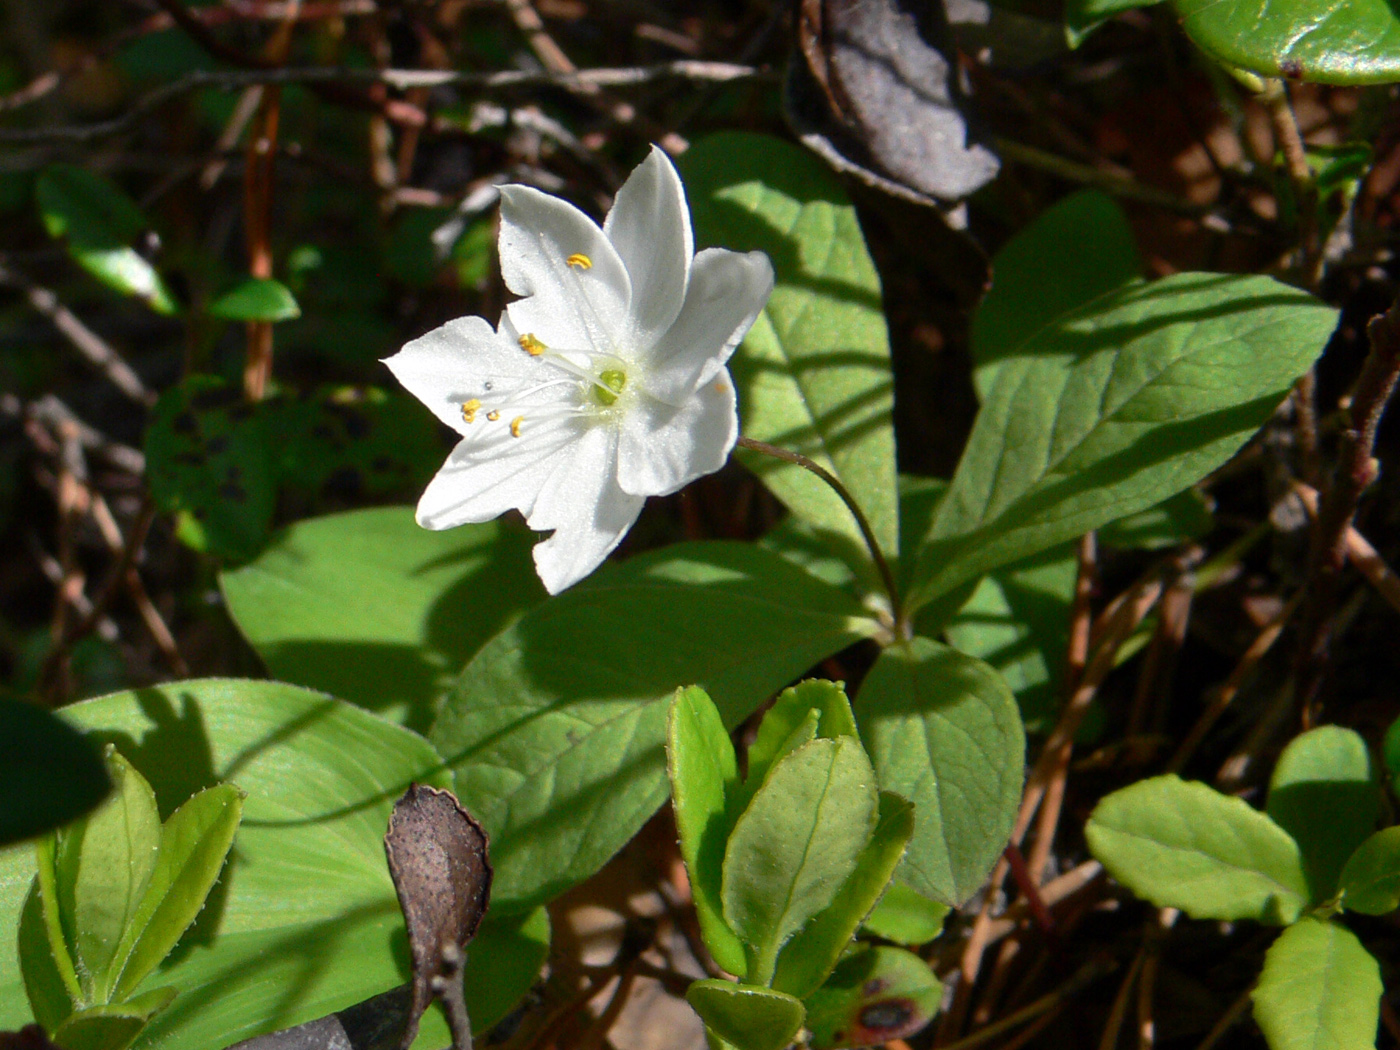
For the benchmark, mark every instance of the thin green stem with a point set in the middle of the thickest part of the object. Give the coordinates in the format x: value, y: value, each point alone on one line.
x: 866, y: 532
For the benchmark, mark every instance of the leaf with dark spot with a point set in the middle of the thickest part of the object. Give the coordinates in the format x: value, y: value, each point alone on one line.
x: 437, y: 857
x: 873, y: 996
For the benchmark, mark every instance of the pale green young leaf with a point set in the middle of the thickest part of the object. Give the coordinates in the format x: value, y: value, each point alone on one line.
x: 801, y: 713
x: 52, y: 994
x: 807, y: 959
x: 1181, y: 844
x: 111, y: 1027
x: 103, y: 863
x: 745, y: 1016
x: 556, y: 730
x: 1114, y: 407
x: 1325, y: 793
x: 943, y: 731
x: 1370, y: 882
x: 193, y: 844
x: 906, y: 917
x: 256, y: 299
x: 703, y: 771
x: 813, y: 374
x: 1320, y: 988
x: 795, y: 846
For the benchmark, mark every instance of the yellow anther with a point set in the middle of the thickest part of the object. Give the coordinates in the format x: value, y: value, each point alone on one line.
x: 493, y: 415
x: 580, y: 260
x: 470, y: 409
x: 530, y: 343
x: 515, y: 426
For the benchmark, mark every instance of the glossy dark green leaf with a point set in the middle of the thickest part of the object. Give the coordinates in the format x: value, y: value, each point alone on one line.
x: 906, y: 917
x: 1325, y: 41
x: 746, y: 1016
x: 703, y: 771
x: 1114, y: 407
x: 874, y: 995
x: 943, y: 731
x: 1036, y: 278
x: 256, y: 299
x: 796, y: 845
x: 1184, y: 845
x: 1319, y: 988
x: 556, y: 729
x: 49, y: 772
x: 375, y: 609
x: 1325, y: 794
x: 1370, y: 882
x: 807, y: 959
x: 813, y: 375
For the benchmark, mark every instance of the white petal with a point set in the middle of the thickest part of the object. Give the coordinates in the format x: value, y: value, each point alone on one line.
x: 649, y: 225
x: 482, y: 479
x: 567, y: 306
x: 452, y: 364
x: 663, y: 448
x: 726, y: 292
x: 582, y: 503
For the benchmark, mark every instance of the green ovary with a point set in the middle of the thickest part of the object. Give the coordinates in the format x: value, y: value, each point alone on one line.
x: 609, y: 385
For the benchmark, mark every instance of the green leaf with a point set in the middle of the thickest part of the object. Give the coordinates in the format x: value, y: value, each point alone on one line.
x: 100, y: 222
x: 703, y: 771
x: 257, y: 299
x: 813, y: 375
x: 1370, y: 882
x: 745, y: 1016
x: 376, y: 610
x: 103, y: 863
x: 49, y: 772
x: 874, y: 996
x: 906, y: 917
x: 1114, y: 407
x: 556, y: 729
x: 783, y: 729
x: 807, y: 959
x: 1390, y: 748
x: 304, y: 921
x: 503, y: 963
x: 1324, y: 793
x: 1185, y: 516
x: 1184, y: 845
x: 795, y: 845
x: 193, y: 845
x: 944, y: 732
x: 48, y: 989
x: 50, y: 916
x: 113, y: 1027
x: 1017, y: 620
x: 1035, y: 280
x: 1325, y: 41
x: 208, y: 457
x: 1084, y: 16
x: 1319, y: 988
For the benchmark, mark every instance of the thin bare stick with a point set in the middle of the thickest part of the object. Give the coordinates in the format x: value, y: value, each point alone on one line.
x: 96, y: 350
x: 1082, y: 978
x: 1227, y: 1020
x: 1087, y: 175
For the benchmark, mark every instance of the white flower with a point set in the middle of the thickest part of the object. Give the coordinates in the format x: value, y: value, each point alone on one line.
x: 604, y: 384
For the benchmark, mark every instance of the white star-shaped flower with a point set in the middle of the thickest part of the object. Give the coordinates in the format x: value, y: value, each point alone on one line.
x: 604, y: 384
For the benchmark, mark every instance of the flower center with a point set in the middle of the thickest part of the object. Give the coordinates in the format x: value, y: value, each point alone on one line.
x: 608, y: 385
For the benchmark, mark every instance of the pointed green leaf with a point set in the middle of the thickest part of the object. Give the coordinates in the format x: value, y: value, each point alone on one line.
x: 113, y: 1027
x: 556, y: 730
x: 813, y: 375
x: 103, y: 863
x: 745, y: 1016
x: 51, y: 920
x: 874, y: 996
x: 906, y: 917
x: 1325, y: 41
x: 1184, y: 845
x: 193, y: 845
x: 377, y: 610
x: 1320, y: 989
x: 257, y: 299
x: 1325, y: 793
x: 128, y: 272
x: 1034, y: 280
x: 1370, y: 882
x: 801, y: 713
x: 809, y: 957
x: 1114, y: 407
x: 703, y: 771
x: 795, y: 845
x: 51, y: 994
x: 49, y: 772
x: 944, y: 732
